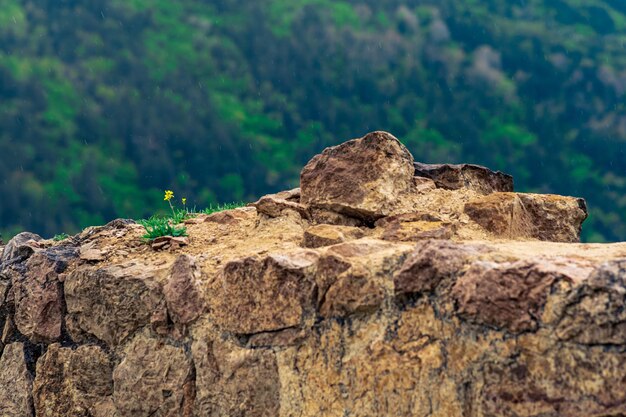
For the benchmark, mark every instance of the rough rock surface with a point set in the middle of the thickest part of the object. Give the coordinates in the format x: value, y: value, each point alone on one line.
x: 360, y: 178
x: 15, y: 383
x: 369, y: 292
x: 71, y: 382
x: 514, y: 215
x: 475, y: 177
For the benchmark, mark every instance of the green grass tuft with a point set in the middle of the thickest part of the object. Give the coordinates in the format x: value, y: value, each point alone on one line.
x: 221, y: 207
x: 60, y: 237
x: 161, y: 226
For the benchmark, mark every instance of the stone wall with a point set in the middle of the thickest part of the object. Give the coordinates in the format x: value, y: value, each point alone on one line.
x: 381, y: 287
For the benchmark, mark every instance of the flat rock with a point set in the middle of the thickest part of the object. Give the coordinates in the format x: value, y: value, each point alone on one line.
x: 321, y: 235
x: 260, y: 294
x: 473, y: 177
x: 361, y: 178
x: 274, y: 206
x: 15, y: 383
x: 413, y: 227
x: 71, y: 382
x: 111, y: 303
x: 232, y: 217
x: 529, y: 216
x: 153, y: 379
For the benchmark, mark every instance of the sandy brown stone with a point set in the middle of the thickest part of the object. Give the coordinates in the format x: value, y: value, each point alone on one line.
x: 15, y: 383
x: 506, y: 295
x: 474, y: 177
x: 274, y: 205
x: 112, y: 302
x: 19, y: 248
x: 354, y: 277
x: 71, y: 382
x: 256, y: 294
x: 232, y: 381
x: 326, y: 235
x: 243, y: 321
x: 323, y: 216
x: 430, y: 263
x: 185, y: 301
x: 151, y: 379
x: 595, y: 312
x: 231, y: 217
x: 38, y: 297
x: 361, y: 178
x: 529, y: 216
x: 564, y: 380
x: 404, y: 230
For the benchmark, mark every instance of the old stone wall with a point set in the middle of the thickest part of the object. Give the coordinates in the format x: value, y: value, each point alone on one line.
x: 380, y: 287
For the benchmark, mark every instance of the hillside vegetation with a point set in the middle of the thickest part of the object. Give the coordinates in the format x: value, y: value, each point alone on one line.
x: 104, y: 104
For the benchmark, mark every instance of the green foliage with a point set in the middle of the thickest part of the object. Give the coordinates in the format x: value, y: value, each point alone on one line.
x: 161, y: 226
x: 103, y: 102
x: 60, y: 237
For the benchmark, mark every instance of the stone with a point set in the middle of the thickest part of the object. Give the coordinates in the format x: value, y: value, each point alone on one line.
x: 89, y: 253
x: 274, y: 205
x: 38, y: 297
x: 322, y: 216
x: 15, y: 383
x: 111, y: 303
x: 234, y: 382
x: 354, y: 277
x: 413, y: 227
x: 361, y: 178
x: 508, y: 295
x: 431, y: 263
x: 169, y: 242
x: 594, y: 313
x: 183, y: 296
x: 71, y: 382
x: 529, y: 216
x: 19, y: 248
x: 321, y: 235
x: 564, y: 380
x: 260, y: 294
x: 473, y: 177
x: 153, y: 380
x: 232, y: 217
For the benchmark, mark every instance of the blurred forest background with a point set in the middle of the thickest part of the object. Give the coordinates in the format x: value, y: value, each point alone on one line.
x: 106, y: 103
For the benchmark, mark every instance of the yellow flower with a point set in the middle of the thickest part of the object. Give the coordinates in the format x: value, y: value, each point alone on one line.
x: 168, y: 195
x: 184, y: 201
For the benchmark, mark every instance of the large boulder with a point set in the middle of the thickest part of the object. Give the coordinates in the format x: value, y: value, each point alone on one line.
x: 362, y: 178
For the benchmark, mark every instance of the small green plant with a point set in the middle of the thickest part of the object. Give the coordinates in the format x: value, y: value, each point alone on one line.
x: 221, y: 207
x: 161, y: 226
x: 60, y: 237
x: 157, y: 226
